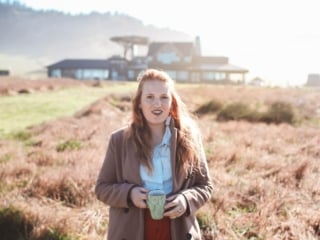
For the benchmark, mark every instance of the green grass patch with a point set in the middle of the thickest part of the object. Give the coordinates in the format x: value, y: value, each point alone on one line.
x: 204, y: 219
x: 68, y: 145
x: 20, y: 111
x: 54, y: 234
x: 21, y: 136
x: 5, y: 158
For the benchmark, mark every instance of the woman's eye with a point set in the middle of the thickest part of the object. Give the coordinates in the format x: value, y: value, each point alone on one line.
x: 164, y: 97
x: 149, y: 97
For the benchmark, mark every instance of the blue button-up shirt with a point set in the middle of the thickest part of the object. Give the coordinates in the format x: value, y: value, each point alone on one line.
x: 161, y: 176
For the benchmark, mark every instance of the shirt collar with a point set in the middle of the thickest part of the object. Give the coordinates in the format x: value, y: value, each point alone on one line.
x: 167, y: 134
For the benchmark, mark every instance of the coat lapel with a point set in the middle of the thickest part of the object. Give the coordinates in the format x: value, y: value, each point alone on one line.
x: 131, y: 164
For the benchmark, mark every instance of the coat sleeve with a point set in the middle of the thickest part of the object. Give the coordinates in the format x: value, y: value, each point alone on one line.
x: 200, y: 189
x: 110, y: 187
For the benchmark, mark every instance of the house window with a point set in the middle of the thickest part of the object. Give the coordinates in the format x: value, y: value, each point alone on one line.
x: 187, y: 59
x: 56, y: 73
x: 220, y: 76
x: 182, y: 75
x: 93, y: 74
x: 172, y: 74
x: 149, y: 59
x: 210, y: 76
x: 131, y: 74
x: 114, y: 75
x: 80, y: 74
x: 167, y: 57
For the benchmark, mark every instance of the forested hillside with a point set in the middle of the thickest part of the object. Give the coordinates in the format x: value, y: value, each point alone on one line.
x: 31, y: 39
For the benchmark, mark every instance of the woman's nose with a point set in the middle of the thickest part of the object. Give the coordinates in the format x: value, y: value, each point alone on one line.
x: 157, y: 102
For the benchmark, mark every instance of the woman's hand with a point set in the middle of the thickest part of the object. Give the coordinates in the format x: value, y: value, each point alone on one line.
x: 138, y: 196
x: 176, y: 206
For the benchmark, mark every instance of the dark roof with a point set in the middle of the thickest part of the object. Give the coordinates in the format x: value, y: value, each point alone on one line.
x: 81, y: 63
x: 138, y: 40
x: 185, y: 48
x: 117, y: 58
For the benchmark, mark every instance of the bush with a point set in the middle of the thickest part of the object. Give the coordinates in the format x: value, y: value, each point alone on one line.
x: 21, y: 136
x: 72, y: 192
x: 238, y: 111
x: 121, y: 102
x: 5, y: 158
x: 14, y: 225
x: 204, y: 219
x: 209, y: 107
x: 53, y: 234
x: 68, y: 145
x: 279, y: 112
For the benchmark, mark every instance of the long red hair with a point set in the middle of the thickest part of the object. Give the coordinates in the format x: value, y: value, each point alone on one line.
x: 188, y: 150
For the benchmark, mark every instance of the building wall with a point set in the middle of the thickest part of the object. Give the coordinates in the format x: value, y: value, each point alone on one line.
x: 313, y: 80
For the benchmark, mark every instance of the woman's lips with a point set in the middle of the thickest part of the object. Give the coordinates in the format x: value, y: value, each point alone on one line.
x: 157, y: 112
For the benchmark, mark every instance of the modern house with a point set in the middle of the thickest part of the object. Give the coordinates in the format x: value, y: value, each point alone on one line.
x: 181, y: 60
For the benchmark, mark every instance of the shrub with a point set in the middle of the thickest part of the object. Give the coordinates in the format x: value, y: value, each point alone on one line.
x: 237, y: 111
x: 72, y: 192
x: 5, y: 158
x: 53, y: 234
x: 279, y: 112
x: 21, y: 136
x: 68, y: 145
x: 209, y: 107
x: 121, y: 102
x: 14, y: 225
x: 204, y: 220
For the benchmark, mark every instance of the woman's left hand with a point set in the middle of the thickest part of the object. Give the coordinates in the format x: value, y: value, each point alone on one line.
x: 176, y: 206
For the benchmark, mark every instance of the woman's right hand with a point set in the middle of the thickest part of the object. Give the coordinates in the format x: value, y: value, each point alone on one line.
x: 138, y: 196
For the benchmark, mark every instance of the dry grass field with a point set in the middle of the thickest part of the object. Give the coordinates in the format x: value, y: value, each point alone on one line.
x: 266, y: 176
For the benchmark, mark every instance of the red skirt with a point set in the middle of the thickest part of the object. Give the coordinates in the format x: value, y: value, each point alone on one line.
x: 156, y: 229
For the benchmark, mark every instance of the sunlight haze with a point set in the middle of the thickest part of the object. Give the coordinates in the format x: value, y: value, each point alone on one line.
x: 277, y: 41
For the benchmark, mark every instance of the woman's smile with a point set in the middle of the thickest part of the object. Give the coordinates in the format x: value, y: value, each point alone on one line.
x: 157, y: 112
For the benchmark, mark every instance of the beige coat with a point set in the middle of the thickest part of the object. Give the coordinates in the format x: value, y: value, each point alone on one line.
x: 120, y: 172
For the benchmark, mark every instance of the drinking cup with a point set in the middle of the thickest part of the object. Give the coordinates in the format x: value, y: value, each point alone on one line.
x: 155, y: 201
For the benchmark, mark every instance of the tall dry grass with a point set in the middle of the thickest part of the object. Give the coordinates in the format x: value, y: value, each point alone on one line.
x: 266, y: 176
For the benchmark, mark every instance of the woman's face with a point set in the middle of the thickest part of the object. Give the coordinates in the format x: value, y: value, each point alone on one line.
x: 155, y: 101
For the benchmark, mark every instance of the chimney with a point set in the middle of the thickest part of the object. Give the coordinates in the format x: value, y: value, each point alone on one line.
x: 198, y: 46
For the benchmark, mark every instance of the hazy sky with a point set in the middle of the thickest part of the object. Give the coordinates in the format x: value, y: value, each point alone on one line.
x: 277, y: 40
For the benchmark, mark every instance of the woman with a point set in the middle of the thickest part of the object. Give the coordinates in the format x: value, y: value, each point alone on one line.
x: 160, y: 149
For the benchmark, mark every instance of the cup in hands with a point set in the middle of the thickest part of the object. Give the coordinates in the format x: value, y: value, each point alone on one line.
x: 156, y: 200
